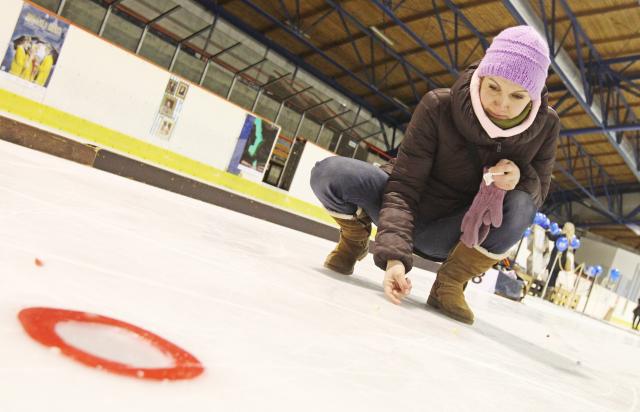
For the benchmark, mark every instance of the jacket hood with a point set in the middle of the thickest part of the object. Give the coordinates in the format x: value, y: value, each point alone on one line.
x: 468, y: 124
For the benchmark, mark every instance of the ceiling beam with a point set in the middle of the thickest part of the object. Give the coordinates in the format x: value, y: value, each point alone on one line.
x: 631, y: 127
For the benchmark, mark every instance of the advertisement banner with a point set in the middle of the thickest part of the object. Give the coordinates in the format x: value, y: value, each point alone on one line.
x: 253, y: 149
x: 35, y: 46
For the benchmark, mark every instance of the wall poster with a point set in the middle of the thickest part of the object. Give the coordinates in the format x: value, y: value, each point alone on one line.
x: 34, y: 46
x: 253, y: 149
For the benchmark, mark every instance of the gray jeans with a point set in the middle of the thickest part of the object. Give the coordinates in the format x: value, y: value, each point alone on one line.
x: 342, y: 185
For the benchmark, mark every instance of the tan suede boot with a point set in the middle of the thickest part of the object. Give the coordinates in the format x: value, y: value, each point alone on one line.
x: 447, y: 292
x: 353, y: 245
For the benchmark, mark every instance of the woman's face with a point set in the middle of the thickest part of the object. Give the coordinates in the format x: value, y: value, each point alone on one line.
x: 502, y: 98
x: 41, y: 52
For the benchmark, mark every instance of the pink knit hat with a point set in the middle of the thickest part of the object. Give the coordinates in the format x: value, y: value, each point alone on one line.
x: 518, y: 54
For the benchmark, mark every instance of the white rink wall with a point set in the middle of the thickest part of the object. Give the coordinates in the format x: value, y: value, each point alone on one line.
x: 300, y: 184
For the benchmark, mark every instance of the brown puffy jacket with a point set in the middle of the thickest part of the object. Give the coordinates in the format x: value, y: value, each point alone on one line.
x: 434, y: 174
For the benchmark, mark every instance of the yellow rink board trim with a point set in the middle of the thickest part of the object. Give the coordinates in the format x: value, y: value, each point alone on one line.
x: 107, y: 138
x: 621, y: 322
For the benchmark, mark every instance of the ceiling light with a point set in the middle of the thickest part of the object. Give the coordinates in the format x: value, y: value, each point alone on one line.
x: 400, y: 102
x: 381, y: 36
x: 634, y: 228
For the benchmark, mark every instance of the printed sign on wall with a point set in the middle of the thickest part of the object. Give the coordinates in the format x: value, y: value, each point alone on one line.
x: 170, y: 107
x: 253, y: 148
x: 35, y: 46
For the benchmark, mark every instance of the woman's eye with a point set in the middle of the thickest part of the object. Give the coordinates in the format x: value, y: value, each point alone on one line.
x: 492, y: 87
x: 518, y: 96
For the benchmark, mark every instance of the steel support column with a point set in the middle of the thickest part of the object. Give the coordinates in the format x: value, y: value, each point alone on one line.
x: 151, y: 23
x: 110, y: 7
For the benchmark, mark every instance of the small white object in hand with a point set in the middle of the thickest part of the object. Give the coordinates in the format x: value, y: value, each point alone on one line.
x: 488, y: 177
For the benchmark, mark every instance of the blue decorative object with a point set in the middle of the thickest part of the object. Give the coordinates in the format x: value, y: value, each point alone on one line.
x: 546, y: 223
x: 539, y: 218
x: 575, y: 243
x: 562, y: 244
x: 615, y: 274
x: 598, y: 270
x: 554, y: 228
x: 590, y: 271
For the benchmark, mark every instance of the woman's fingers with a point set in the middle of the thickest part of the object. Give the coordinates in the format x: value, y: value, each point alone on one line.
x: 500, y: 169
x: 390, y: 293
x: 395, y: 293
x: 403, y: 283
x: 506, y: 182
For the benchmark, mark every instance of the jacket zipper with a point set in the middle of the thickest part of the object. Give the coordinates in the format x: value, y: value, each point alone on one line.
x: 499, y: 148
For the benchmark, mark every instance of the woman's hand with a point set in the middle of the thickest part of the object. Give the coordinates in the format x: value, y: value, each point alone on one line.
x: 396, y: 285
x: 511, y: 176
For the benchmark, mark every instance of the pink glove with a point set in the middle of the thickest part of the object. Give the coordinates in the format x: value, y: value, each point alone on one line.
x: 485, y: 211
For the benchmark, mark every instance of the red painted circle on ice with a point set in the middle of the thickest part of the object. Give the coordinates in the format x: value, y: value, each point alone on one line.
x: 40, y: 324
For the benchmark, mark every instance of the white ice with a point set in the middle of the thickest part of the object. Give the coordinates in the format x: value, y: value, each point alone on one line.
x: 113, y: 343
x: 274, y: 330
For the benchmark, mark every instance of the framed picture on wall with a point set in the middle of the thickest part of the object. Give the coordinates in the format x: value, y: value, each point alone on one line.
x: 183, y: 88
x: 166, y: 127
x: 172, y: 86
x: 168, y: 105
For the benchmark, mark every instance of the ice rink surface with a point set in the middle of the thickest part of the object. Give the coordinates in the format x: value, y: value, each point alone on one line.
x: 274, y: 330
